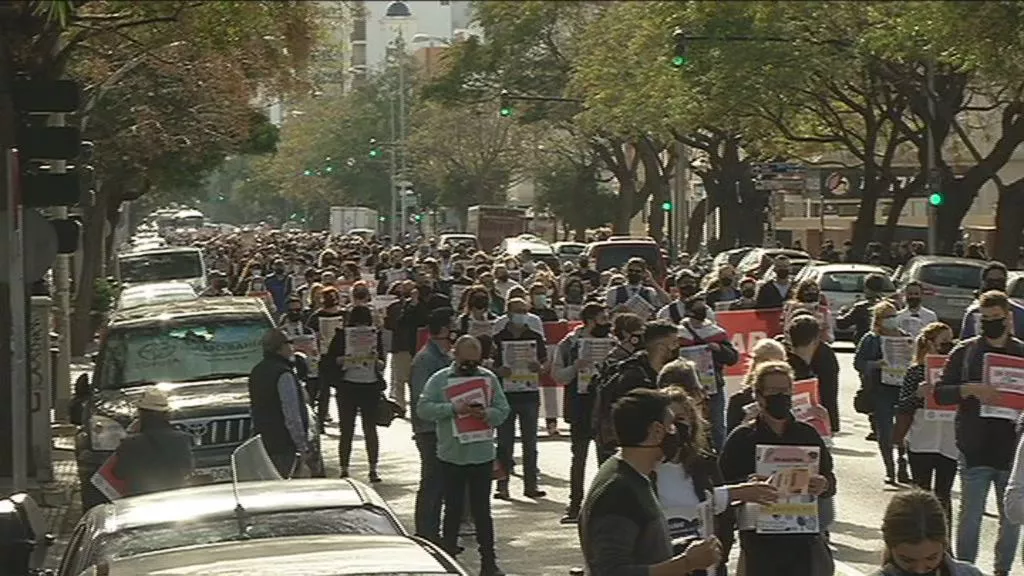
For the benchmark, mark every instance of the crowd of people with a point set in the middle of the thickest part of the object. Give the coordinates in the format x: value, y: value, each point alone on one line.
x: 686, y: 470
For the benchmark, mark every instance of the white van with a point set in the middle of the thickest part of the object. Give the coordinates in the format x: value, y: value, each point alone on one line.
x: 163, y: 265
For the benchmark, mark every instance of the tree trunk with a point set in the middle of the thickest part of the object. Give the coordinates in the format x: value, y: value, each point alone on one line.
x: 92, y: 253
x: 1009, y: 224
x: 901, y: 195
x: 626, y: 210
x: 695, y: 227
x: 960, y: 195
x: 864, y: 225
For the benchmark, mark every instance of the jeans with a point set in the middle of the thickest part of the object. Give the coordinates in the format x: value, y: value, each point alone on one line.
x: 884, y: 420
x: 430, y: 493
x: 974, y: 486
x: 935, y: 473
x: 580, y: 436
x: 716, y: 416
x: 525, y: 407
x: 361, y: 399
x: 477, y: 479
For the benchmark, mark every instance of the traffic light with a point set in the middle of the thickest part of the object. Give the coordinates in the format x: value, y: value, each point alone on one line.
x: 374, y: 148
x: 505, y: 104
x: 937, y: 199
x: 679, y: 58
x: 418, y: 217
x: 666, y: 206
x: 307, y: 172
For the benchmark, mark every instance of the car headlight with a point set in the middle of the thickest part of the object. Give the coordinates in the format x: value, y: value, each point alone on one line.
x: 105, y: 433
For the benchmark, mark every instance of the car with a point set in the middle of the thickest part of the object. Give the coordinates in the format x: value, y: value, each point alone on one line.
x: 796, y: 266
x: 1015, y: 286
x: 568, y: 251
x: 949, y: 284
x: 329, y: 555
x: 163, y: 265
x: 453, y: 240
x: 366, y: 234
x: 757, y: 261
x: 539, y: 250
x: 608, y: 254
x: 843, y: 284
x: 731, y: 257
x: 262, y: 512
x: 155, y: 293
x: 200, y: 352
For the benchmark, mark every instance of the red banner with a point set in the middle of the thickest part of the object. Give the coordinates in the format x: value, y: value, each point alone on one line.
x: 1006, y: 373
x: 107, y: 482
x: 745, y: 328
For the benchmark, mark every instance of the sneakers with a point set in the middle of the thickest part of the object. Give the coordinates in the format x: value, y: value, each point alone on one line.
x: 374, y: 477
x: 534, y: 493
x: 572, y: 516
x: 501, y: 493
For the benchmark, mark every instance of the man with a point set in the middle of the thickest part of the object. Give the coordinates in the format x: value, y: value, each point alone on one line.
x: 993, y: 277
x: 774, y: 293
x: 809, y: 357
x: 588, y: 274
x: 987, y: 443
x: 686, y: 285
x: 277, y: 407
x: 157, y: 457
x: 523, y: 399
x: 622, y: 529
x: 858, y: 316
x: 724, y: 291
x: 502, y: 284
x: 639, y: 283
x: 465, y: 465
x: 218, y: 285
x: 578, y: 402
x: 748, y: 294
x: 914, y: 317
x: 411, y: 315
x: 432, y: 358
x: 279, y: 284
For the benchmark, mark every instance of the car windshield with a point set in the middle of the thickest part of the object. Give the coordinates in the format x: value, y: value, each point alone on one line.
x: 152, y: 538
x: 181, y: 351
x: 952, y: 276
x: 850, y: 282
x: 615, y: 255
x: 571, y: 250
x: 160, y: 267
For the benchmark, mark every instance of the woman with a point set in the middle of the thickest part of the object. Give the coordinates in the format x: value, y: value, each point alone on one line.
x: 916, y: 541
x: 807, y: 295
x: 476, y: 318
x: 573, y: 294
x: 869, y: 364
x: 359, y: 388
x: 741, y: 404
x: 931, y: 444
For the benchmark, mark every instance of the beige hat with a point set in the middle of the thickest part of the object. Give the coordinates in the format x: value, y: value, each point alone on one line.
x: 154, y: 400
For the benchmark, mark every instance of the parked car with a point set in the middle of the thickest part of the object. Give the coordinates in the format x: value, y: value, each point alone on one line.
x: 843, y: 284
x: 540, y: 250
x: 949, y: 284
x: 201, y: 352
x: 453, y: 240
x: 156, y: 293
x: 262, y: 512
x: 732, y: 257
x: 615, y: 253
x: 756, y: 262
x: 568, y: 251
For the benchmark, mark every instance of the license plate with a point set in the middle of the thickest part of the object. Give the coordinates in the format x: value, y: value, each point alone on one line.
x: 212, y: 475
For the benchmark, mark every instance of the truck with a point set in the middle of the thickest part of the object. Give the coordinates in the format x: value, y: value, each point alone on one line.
x: 344, y: 219
x: 492, y: 224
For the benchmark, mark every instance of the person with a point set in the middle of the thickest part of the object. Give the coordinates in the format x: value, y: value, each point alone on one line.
x: 323, y: 321
x: 778, y: 554
x: 722, y: 293
x: 622, y: 529
x: 541, y: 306
x: 523, y: 399
x: 807, y: 298
x: 993, y: 277
x: 686, y: 287
x: 742, y: 405
x: 359, y: 385
x: 476, y: 318
x: 279, y: 284
x: 697, y: 329
x: 628, y: 333
x: 915, y: 538
x: 466, y: 463
x: 858, y: 316
x: 986, y: 443
x: 748, y: 293
x: 578, y: 403
x: 640, y: 283
x: 159, y: 456
x: 914, y: 316
x: 682, y: 373
x: 811, y: 357
x: 432, y: 358
x: 276, y: 403
x: 931, y: 444
x: 218, y: 286
x: 410, y: 316
x: 771, y: 294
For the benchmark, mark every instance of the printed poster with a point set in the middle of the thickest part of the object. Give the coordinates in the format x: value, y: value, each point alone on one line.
x: 480, y: 328
x: 592, y: 350
x: 704, y: 363
x: 898, y: 355
x: 306, y: 343
x: 911, y: 324
x: 106, y: 482
x: 517, y: 356
x: 360, y: 346
x: 745, y: 328
x: 326, y: 327
x: 934, y: 365
x: 473, y: 390
x: 807, y: 406
x: 1006, y: 373
x: 790, y: 469
x: 637, y: 305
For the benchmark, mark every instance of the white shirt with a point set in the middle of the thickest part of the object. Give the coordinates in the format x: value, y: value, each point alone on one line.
x: 679, y: 501
x: 913, y: 321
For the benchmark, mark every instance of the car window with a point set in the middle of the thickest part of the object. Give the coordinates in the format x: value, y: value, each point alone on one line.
x: 616, y: 255
x: 135, y: 541
x: 571, y: 250
x: 850, y: 282
x: 181, y: 351
x: 951, y: 275
x: 160, y: 267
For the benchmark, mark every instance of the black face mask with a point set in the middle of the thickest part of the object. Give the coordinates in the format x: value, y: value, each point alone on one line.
x: 944, y: 348
x: 670, y: 446
x: 993, y: 329
x: 747, y: 292
x: 294, y: 315
x: 726, y: 282
x: 456, y: 273
x: 994, y: 284
x: 478, y: 303
x: 601, y: 330
x: 635, y: 277
x: 502, y: 277
x: 397, y: 266
x: 330, y: 302
x: 811, y: 298
x: 687, y: 290
x: 279, y: 270
x: 685, y: 433
x: 782, y: 274
x: 361, y: 295
x: 778, y: 406
x: 698, y: 313
x: 913, y: 302
x: 468, y: 367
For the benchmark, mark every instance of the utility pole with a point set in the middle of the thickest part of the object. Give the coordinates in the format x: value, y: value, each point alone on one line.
x: 62, y: 296
x: 681, y: 202
x: 931, y: 166
x: 392, y: 180
x: 403, y: 168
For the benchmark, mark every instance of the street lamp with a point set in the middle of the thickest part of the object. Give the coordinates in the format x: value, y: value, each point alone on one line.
x: 398, y: 12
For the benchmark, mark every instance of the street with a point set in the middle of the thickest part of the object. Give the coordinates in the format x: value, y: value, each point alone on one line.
x: 532, y: 542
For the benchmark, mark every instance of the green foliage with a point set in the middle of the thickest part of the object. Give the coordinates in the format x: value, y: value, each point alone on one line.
x: 569, y: 189
x: 105, y: 293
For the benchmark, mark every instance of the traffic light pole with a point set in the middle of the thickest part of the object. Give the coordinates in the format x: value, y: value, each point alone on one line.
x: 403, y: 172
x: 930, y: 168
x: 62, y: 297
x: 16, y: 295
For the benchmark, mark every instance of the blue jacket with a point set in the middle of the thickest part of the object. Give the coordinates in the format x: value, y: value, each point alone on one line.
x: 429, y: 360
x: 969, y: 325
x: 280, y: 288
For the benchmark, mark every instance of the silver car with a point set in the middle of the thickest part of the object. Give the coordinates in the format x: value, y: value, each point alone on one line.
x: 1015, y: 286
x: 949, y: 285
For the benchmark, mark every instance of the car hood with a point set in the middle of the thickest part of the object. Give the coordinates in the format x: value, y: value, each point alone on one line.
x: 188, y: 400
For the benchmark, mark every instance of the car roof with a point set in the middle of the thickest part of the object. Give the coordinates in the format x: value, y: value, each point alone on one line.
x: 153, y: 314
x: 620, y: 243
x: 851, y: 267
x: 218, y: 500
x: 535, y: 246
x: 177, y: 286
x: 163, y: 250
x: 334, y: 555
x: 928, y: 260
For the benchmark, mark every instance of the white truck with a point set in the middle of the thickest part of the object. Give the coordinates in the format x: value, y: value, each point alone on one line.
x: 344, y: 219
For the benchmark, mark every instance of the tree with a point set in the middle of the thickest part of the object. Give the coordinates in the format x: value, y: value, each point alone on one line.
x: 566, y: 174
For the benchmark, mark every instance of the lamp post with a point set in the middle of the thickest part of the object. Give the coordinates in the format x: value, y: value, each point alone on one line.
x: 396, y: 13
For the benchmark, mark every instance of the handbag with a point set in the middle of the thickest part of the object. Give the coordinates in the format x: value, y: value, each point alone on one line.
x: 387, y: 411
x: 864, y: 400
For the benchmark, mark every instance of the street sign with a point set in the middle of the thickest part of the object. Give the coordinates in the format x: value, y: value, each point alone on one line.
x: 797, y: 185
x: 761, y: 168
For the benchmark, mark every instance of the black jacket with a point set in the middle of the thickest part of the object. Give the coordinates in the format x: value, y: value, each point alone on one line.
x: 265, y: 404
x: 768, y: 295
x: 159, y: 458
x: 825, y: 367
x: 857, y: 317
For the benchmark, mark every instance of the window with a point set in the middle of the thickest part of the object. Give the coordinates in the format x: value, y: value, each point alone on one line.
x: 160, y: 267
x: 852, y: 282
x: 952, y: 275
x: 616, y: 255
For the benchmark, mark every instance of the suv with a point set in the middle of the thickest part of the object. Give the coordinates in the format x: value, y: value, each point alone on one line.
x: 163, y: 265
x: 200, y: 352
x: 609, y: 254
x: 949, y: 284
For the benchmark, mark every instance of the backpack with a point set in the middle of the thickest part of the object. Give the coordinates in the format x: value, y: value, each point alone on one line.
x: 604, y: 388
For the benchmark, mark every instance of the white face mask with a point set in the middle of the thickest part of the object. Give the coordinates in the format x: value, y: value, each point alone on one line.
x: 540, y: 301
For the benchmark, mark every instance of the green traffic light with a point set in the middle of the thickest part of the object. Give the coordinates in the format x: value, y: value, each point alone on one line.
x: 374, y: 153
x: 307, y: 173
x: 329, y: 169
x: 936, y: 199
x: 679, y: 61
x: 666, y: 206
x: 506, y: 112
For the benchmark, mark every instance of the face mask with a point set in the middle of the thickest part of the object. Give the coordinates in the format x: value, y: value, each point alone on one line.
x: 889, y: 323
x: 995, y: 284
x: 782, y: 273
x: 361, y: 295
x: 330, y: 302
x: 944, y: 348
x: 517, y: 319
x: 993, y: 329
x: 748, y: 292
x: 456, y: 273
x: 687, y: 290
x: 397, y: 266
x: 897, y: 571
x: 778, y: 406
x: 727, y: 282
x: 540, y: 301
x: 468, y: 366
x: 698, y: 313
x: 669, y: 446
x: 811, y: 298
x: 294, y: 315
x: 635, y: 277
x: 502, y: 277
x: 913, y: 302
x: 601, y: 330
x: 278, y: 269
x: 478, y: 303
